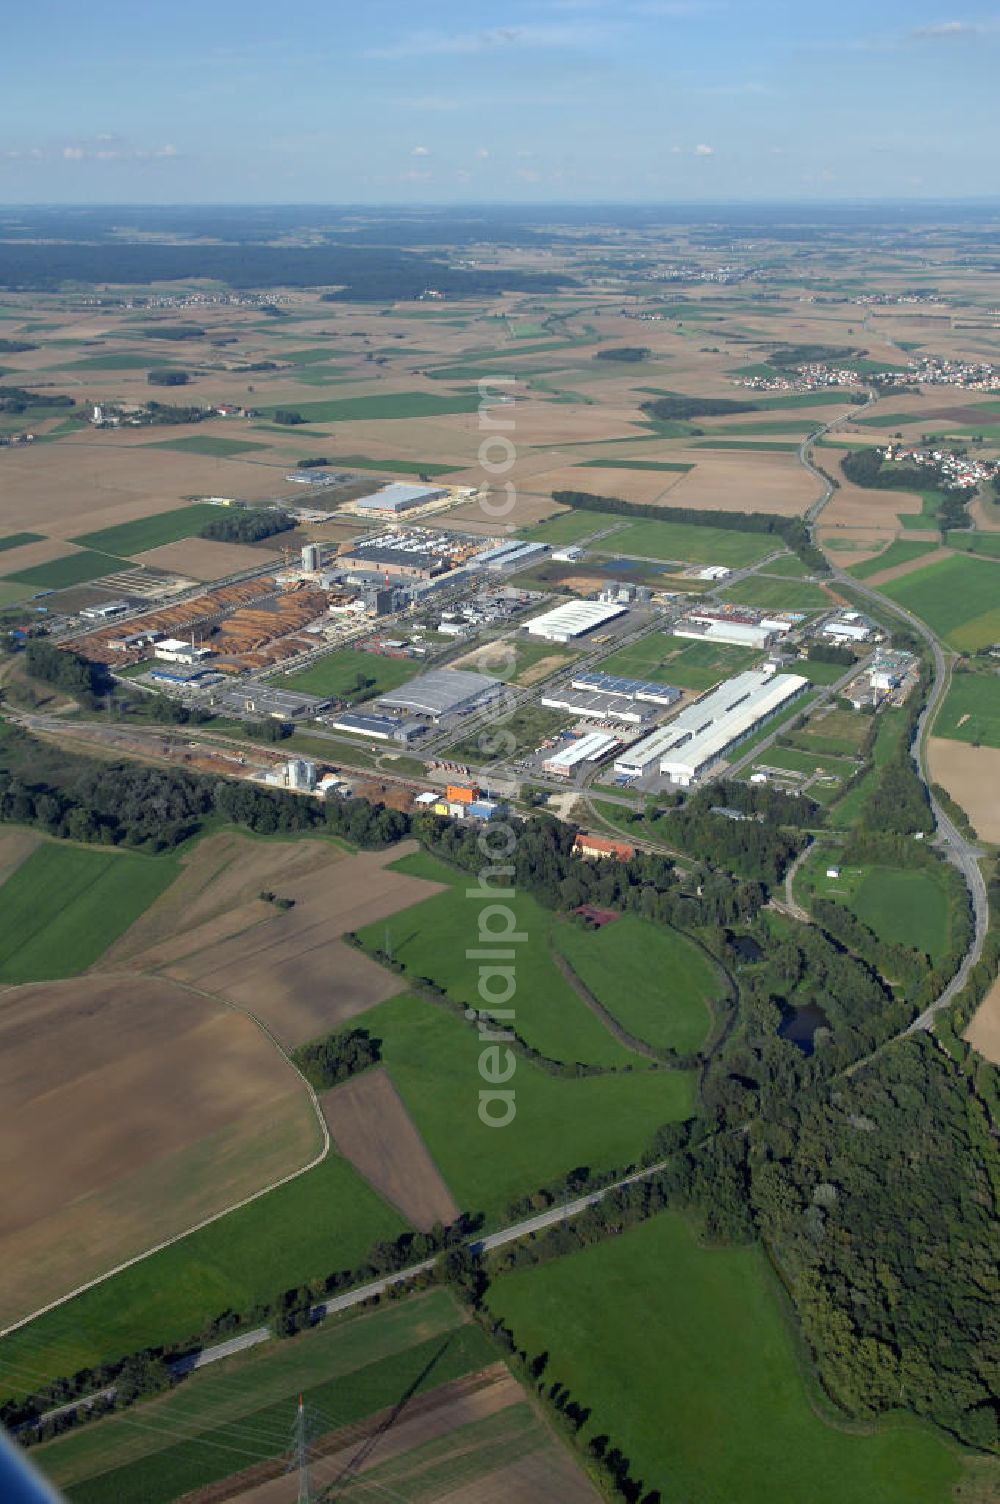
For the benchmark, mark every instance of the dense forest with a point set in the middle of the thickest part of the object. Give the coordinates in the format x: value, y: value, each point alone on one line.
x: 678, y: 406
x: 246, y: 526
x: 15, y: 399
x: 364, y: 273
x: 631, y: 354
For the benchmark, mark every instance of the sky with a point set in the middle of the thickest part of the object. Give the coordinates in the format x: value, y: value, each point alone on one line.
x: 526, y: 101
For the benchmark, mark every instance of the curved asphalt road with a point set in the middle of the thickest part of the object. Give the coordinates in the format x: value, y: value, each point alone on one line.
x: 960, y: 852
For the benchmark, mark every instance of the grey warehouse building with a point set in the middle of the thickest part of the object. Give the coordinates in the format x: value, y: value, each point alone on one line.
x: 443, y: 691
x: 264, y: 700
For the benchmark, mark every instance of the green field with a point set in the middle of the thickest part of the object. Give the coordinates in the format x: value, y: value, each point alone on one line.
x: 431, y: 940
x: 691, y: 543
x: 63, y: 907
x: 71, y: 569
x: 677, y: 660
x: 902, y: 906
x: 817, y: 672
x: 222, y: 1420
x: 765, y: 446
x: 560, y: 1122
x: 840, y: 733
x: 351, y: 675
x: 513, y: 658
x: 130, y: 538
x: 788, y: 567
x: 685, y: 1360
x: 124, y: 361
x: 569, y: 527
x: 529, y: 725
x: 987, y: 544
x: 653, y: 980
x: 779, y: 595
x: 317, y: 1224
x: 381, y: 405
x: 971, y: 711
x: 668, y: 465
x: 18, y: 540
x: 889, y: 730
x: 957, y: 598
x: 901, y: 551
x: 217, y: 448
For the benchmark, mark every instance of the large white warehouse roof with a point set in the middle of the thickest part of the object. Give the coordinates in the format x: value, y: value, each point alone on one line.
x: 725, y: 717
x: 573, y: 619
x: 584, y: 749
x: 702, y: 732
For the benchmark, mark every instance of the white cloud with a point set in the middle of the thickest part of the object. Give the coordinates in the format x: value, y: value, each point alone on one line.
x: 704, y: 151
x: 495, y: 39
x: 944, y: 30
x: 420, y: 151
x: 74, y: 153
x: 482, y: 154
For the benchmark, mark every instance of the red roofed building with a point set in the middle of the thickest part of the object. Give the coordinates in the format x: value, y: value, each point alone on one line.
x: 599, y: 846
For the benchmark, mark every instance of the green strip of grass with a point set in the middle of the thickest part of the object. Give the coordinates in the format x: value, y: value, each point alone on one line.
x: 71, y: 569
x: 18, y: 540
x: 130, y: 538
x: 217, y: 448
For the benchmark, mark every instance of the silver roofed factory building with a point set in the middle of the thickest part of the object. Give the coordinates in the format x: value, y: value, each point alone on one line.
x: 444, y: 691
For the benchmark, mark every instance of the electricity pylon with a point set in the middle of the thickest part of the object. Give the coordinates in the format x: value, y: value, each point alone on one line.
x: 301, y: 1454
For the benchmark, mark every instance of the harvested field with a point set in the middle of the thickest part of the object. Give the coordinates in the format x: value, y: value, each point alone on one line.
x: 219, y: 885
x: 527, y: 510
x: 292, y: 968
x: 871, y: 510
x: 205, y: 559
x: 642, y: 486
x: 130, y: 1109
x: 31, y: 554
x: 983, y: 1032
x: 741, y: 482
x: 88, y: 483
x: 971, y: 776
x: 371, y: 1127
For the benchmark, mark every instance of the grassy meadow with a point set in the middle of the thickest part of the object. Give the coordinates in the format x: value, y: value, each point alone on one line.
x: 725, y: 1414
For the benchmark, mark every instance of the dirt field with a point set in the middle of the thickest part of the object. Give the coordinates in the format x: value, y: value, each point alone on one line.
x: 540, y: 1476
x: 855, y: 507
x: 129, y: 1108
x: 204, y: 559
x: 643, y: 486
x: 972, y: 777
x: 80, y: 485
x: 740, y: 481
x: 291, y: 968
x: 30, y: 554
x: 372, y: 1128
x: 984, y: 516
x: 983, y: 1032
